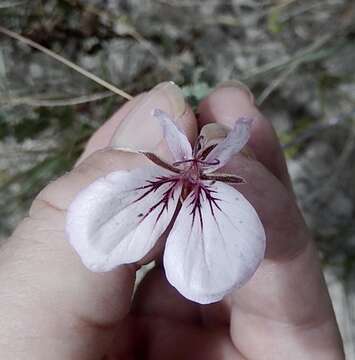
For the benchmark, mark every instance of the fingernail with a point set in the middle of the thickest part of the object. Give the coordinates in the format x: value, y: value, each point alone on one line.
x: 236, y: 84
x: 229, y: 101
x: 140, y: 130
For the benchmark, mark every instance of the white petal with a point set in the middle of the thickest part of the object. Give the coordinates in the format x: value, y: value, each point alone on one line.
x: 177, y: 141
x: 218, y: 250
x: 232, y: 144
x: 111, y: 222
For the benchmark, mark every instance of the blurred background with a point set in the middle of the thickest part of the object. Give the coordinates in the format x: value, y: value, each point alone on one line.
x: 298, y: 58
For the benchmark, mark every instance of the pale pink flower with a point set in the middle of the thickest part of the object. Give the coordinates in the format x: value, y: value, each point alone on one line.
x: 216, y: 241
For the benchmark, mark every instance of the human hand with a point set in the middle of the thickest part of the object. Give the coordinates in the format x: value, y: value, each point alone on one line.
x: 52, y: 307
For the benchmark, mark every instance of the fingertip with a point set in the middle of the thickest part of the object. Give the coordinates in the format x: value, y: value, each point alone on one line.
x: 101, y: 138
x: 225, y: 105
x: 140, y: 130
x: 133, y: 125
x: 228, y: 103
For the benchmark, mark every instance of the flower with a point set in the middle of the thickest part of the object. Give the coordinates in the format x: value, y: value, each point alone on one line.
x: 216, y: 241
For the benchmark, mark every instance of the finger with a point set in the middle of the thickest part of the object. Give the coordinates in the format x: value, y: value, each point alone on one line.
x: 53, y: 303
x: 102, y: 137
x: 145, y: 134
x: 161, y: 338
x: 168, y: 326
x: 155, y: 297
x: 129, y: 133
x: 226, y: 105
x: 284, y: 310
x: 123, y: 128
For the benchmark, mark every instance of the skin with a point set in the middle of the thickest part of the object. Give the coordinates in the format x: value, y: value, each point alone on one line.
x: 52, y: 307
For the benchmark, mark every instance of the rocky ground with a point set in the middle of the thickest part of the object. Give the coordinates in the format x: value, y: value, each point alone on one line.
x: 297, y: 57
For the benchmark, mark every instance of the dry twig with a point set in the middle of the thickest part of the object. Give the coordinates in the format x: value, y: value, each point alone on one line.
x: 66, y: 62
x: 37, y: 102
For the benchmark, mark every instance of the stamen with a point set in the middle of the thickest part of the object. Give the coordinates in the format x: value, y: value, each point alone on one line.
x: 197, y: 146
x: 228, y: 178
x: 209, y: 163
x: 177, y: 163
x: 156, y: 160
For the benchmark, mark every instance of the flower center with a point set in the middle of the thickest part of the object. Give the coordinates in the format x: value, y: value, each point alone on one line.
x: 193, y: 168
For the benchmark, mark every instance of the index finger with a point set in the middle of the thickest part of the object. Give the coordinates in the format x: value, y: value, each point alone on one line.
x: 284, y: 311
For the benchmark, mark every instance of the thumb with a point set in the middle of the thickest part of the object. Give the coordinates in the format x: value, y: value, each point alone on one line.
x: 49, y: 302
